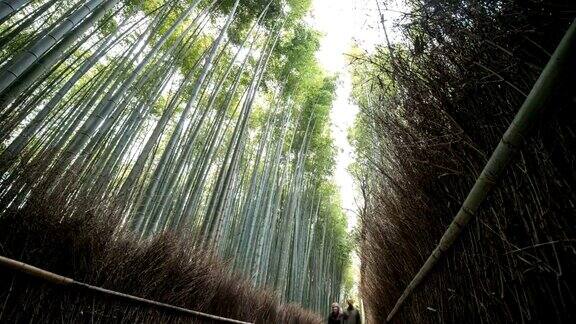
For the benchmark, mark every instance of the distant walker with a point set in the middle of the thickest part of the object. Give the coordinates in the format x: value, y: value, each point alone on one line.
x: 351, y: 314
x: 336, y: 316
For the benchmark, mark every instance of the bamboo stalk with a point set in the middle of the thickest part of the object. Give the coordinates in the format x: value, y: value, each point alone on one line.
x: 524, y: 120
x: 71, y: 283
x: 8, y: 7
x: 20, y: 64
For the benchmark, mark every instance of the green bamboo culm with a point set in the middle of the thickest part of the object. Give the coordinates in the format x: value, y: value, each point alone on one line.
x: 8, y: 7
x: 21, y: 63
x: 525, y: 119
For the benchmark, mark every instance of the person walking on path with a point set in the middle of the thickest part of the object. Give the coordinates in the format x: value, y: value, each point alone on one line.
x: 336, y: 316
x: 351, y: 314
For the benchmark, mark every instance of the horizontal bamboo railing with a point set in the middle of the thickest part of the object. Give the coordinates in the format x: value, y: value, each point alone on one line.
x: 56, y: 279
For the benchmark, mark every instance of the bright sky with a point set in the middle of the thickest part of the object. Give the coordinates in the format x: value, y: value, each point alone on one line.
x: 344, y: 23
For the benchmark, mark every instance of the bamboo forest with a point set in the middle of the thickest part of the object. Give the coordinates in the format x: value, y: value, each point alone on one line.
x: 287, y: 161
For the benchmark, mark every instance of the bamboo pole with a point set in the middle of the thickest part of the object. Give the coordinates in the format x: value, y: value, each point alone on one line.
x: 524, y: 120
x: 22, y: 62
x: 71, y: 283
x: 8, y: 7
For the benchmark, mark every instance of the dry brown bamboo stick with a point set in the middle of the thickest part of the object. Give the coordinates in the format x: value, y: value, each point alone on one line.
x: 71, y: 283
x: 524, y: 120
